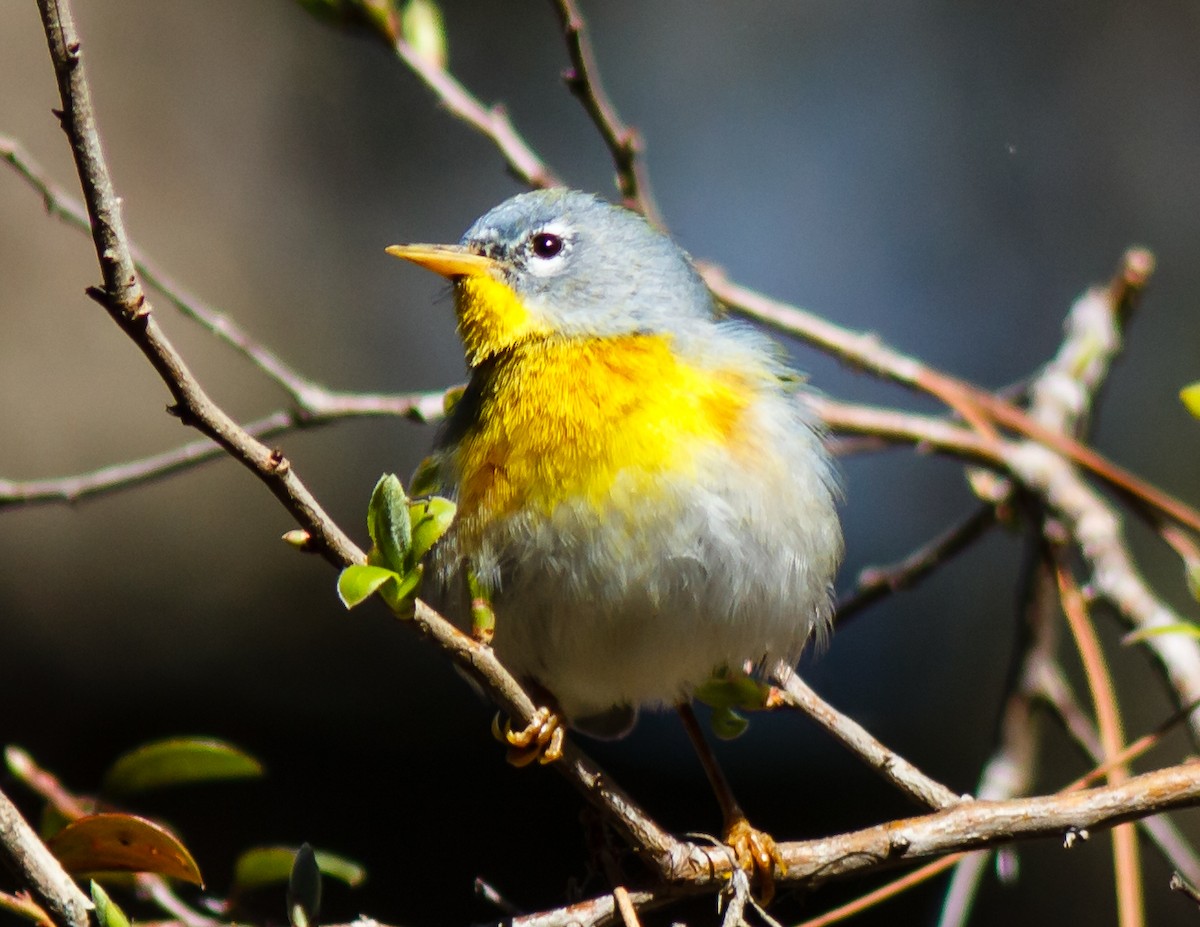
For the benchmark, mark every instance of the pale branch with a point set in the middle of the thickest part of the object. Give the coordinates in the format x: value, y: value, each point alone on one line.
x: 313, y: 401
x: 875, y: 583
x: 796, y: 693
x: 332, y: 406
x: 978, y: 824
x: 1061, y: 398
x: 979, y: 407
x: 1089, y: 519
x: 54, y: 890
x: 122, y: 296
x: 1096, y: 528
x: 623, y: 142
x: 1051, y: 689
x: 595, y: 912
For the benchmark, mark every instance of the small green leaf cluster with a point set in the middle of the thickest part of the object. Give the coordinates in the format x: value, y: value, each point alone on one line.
x: 402, y: 532
x: 416, y: 22
x: 728, y: 694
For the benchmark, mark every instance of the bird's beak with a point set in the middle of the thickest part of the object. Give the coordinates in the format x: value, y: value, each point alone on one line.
x: 447, y: 260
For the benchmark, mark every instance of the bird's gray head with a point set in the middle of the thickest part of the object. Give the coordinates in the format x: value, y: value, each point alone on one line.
x: 588, y: 267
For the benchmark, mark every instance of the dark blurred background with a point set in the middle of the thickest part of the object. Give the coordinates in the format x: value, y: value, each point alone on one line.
x: 950, y: 176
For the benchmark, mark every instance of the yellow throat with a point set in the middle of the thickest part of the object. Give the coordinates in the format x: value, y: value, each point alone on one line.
x: 560, y: 417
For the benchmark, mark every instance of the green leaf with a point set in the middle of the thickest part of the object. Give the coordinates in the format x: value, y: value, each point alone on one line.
x: 107, y: 911
x: 422, y: 28
x: 1191, y: 398
x: 728, y: 723
x: 178, y: 761
x: 389, y: 524
x: 427, y: 478
x: 451, y: 399
x: 728, y: 689
x: 360, y: 581
x: 304, y: 889
x: 1192, y: 575
x: 1182, y: 627
x: 400, y: 594
x: 122, y: 843
x: 430, y: 519
x: 261, y: 866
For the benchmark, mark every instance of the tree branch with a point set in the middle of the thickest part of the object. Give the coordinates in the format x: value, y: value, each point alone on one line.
x: 54, y: 890
x: 623, y: 142
x: 123, y: 298
x: 796, y: 693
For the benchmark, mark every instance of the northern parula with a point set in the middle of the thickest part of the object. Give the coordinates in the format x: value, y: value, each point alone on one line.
x: 640, y: 495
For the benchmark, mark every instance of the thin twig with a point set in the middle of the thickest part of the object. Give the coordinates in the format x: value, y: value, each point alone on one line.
x: 1052, y: 690
x: 595, y: 912
x: 1179, y: 884
x: 871, y: 354
x: 875, y: 583
x: 1126, y: 863
x: 24, y: 907
x: 928, y: 792
x: 1009, y: 771
x: 490, y: 121
x: 417, y: 407
x: 629, y: 916
x: 623, y: 142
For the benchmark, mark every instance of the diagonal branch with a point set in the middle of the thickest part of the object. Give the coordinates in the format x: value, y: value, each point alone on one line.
x: 54, y: 890
x: 796, y: 693
x: 313, y: 401
x: 875, y: 583
x: 623, y: 141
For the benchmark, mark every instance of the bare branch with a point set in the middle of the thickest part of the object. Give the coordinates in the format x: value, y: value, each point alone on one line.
x: 889, y: 764
x: 490, y: 121
x: 875, y: 583
x: 1126, y: 861
x: 978, y: 824
x: 28, y: 857
x: 331, y: 407
x: 623, y: 142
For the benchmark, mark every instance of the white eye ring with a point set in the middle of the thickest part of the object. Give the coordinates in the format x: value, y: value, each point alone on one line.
x: 548, y: 248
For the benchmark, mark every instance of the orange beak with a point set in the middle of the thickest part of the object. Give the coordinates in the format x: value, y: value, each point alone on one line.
x: 447, y: 260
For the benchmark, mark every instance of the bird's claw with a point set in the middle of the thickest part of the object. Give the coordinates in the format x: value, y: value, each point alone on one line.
x: 755, y: 853
x: 541, y: 739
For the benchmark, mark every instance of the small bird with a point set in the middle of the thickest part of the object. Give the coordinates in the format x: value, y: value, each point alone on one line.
x: 642, y: 498
x: 640, y: 493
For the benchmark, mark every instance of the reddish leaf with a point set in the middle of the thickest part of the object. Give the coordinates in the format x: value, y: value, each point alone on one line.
x: 122, y: 843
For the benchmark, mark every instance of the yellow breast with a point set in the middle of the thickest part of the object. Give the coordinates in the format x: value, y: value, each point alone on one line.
x: 560, y: 418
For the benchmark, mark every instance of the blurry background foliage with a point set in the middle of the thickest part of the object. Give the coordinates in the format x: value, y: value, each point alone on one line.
x: 950, y: 176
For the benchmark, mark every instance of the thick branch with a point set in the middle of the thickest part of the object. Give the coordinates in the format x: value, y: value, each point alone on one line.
x: 37, y: 868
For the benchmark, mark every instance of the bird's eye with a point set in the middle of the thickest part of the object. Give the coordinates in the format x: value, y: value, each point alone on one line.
x: 547, y: 245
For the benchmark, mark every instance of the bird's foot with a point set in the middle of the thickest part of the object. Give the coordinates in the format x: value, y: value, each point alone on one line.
x: 755, y: 852
x: 541, y: 739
